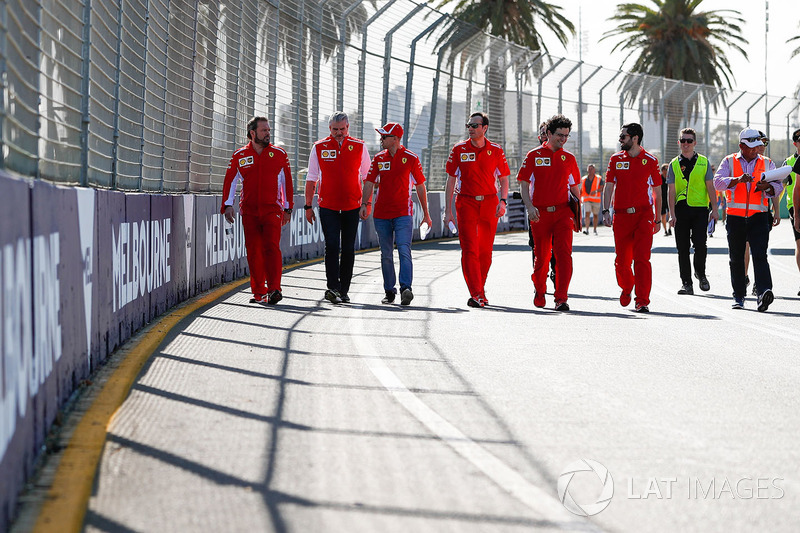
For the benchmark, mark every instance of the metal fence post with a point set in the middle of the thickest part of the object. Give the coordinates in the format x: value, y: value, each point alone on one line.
x: 684, y: 116
x: 362, y: 65
x: 561, y: 85
x: 580, y: 115
x: 644, y: 92
x: 410, y: 74
x: 85, y: 69
x: 708, y: 117
x: 751, y: 107
x: 728, y: 122
x: 539, y: 99
x: 520, y: 75
x: 769, y: 112
x: 600, y: 116
x: 342, y: 45
x: 387, y: 58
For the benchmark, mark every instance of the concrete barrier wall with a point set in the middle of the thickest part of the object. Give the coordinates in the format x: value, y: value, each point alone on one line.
x: 81, y: 270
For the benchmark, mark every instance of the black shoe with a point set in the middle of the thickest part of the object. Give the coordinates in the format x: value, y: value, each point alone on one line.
x: 642, y: 308
x: 274, y: 297
x: 259, y: 299
x: 333, y: 296
x: 345, y: 299
x: 738, y: 303
x: 389, y: 298
x: 704, y: 285
x: 686, y: 289
x: 474, y: 302
x: 563, y: 306
x: 406, y: 296
x: 764, y: 300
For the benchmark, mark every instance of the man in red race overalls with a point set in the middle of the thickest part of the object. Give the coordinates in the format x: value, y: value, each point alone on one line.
x: 266, y: 206
x: 547, y: 176
x: 633, y: 179
x: 474, y: 167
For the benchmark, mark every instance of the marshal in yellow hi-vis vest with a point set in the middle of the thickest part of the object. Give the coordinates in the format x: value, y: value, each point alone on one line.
x: 693, y: 190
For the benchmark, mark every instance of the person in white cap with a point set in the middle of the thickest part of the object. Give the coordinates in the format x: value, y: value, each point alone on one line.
x: 749, y: 219
x: 396, y: 170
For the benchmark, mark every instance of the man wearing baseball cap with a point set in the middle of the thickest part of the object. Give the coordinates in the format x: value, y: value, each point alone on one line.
x: 748, y: 216
x: 396, y: 169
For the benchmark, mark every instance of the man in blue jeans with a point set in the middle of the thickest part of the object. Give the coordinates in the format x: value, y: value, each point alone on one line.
x: 395, y: 170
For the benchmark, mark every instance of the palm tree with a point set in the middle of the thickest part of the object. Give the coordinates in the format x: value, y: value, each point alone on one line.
x: 674, y: 39
x: 514, y: 20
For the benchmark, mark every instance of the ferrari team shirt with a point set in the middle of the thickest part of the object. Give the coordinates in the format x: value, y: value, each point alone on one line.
x: 634, y: 178
x: 549, y: 175
x: 340, y: 171
x: 266, y: 180
x: 476, y: 169
x: 396, y: 176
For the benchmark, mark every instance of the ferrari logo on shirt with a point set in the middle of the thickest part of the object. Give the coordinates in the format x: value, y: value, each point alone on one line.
x: 244, y: 161
x: 563, y: 158
x: 350, y: 147
x: 542, y: 162
x: 488, y: 152
x: 271, y: 154
x: 623, y: 165
x: 384, y: 166
x: 470, y: 156
x: 644, y: 161
x: 405, y: 160
x: 328, y: 154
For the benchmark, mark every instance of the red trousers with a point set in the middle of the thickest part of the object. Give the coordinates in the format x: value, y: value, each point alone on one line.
x: 633, y: 240
x: 477, y: 225
x: 262, y: 239
x: 553, y: 234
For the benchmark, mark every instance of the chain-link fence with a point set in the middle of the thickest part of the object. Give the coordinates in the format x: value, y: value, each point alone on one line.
x: 153, y: 95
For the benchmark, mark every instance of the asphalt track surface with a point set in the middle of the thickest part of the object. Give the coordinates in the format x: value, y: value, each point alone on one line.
x: 437, y: 417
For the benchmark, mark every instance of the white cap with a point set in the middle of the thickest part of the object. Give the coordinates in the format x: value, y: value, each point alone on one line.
x: 750, y: 137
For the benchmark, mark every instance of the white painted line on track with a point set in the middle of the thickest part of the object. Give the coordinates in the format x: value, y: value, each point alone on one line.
x: 542, y: 503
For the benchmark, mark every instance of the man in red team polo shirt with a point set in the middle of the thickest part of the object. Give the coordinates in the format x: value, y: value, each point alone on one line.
x: 266, y: 205
x: 633, y: 179
x: 546, y: 178
x: 396, y: 170
x: 336, y: 168
x: 474, y: 167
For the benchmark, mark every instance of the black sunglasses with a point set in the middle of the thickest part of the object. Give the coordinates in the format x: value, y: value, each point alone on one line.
x: 383, y: 137
x: 686, y: 141
x: 473, y: 125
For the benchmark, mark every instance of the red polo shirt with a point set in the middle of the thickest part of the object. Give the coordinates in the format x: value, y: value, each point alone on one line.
x: 477, y: 169
x: 266, y: 180
x: 339, y: 172
x: 397, y: 176
x: 550, y: 175
x: 634, y: 177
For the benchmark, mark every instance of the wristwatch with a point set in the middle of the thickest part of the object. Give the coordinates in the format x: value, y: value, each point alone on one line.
x: 605, y: 211
x: 307, y: 207
x: 505, y: 201
x: 288, y: 210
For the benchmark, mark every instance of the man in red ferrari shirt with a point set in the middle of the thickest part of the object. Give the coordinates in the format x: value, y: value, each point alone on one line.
x: 633, y: 179
x: 337, y: 166
x: 474, y: 167
x: 547, y: 176
x: 396, y: 170
x: 266, y: 205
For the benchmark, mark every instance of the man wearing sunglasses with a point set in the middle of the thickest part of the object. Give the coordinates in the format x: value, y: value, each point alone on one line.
x: 633, y: 179
x: 690, y: 190
x: 748, y: 219
x: 547, y: 177
x: 396, y: 170
x: 474, y: 168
